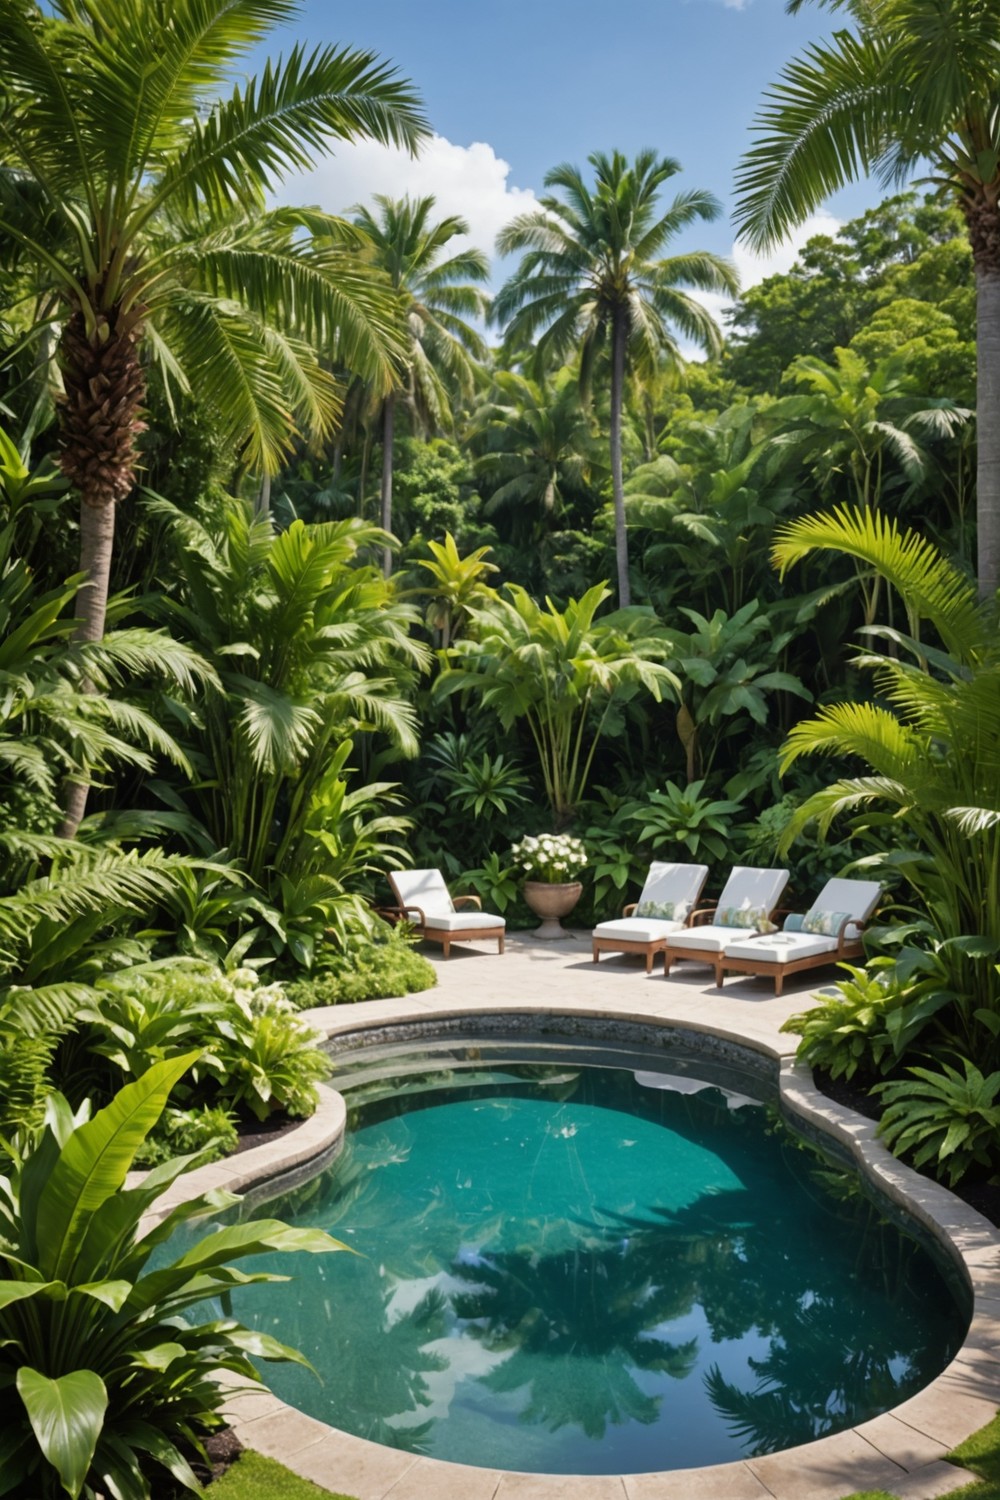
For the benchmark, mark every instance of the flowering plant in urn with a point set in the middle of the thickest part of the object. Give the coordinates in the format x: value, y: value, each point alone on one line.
x: 552, y: 857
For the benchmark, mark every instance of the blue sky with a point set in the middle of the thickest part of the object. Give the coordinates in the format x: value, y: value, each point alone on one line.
x: 514, y: 89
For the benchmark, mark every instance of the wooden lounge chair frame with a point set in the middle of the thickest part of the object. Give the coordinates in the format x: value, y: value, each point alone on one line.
x: 772, y: 968
x: 703, y: 918
x: 416, y: 917
x: 649, y: 948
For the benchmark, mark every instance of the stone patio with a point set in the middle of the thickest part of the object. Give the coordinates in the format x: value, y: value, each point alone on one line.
x: 900, y: 1452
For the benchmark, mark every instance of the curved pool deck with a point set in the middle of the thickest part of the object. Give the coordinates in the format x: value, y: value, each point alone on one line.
x: 901, y: 1451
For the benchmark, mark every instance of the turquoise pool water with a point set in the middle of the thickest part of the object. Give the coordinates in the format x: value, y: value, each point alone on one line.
x: 592, y: 1270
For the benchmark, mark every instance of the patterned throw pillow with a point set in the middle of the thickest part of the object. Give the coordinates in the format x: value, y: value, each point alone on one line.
x: 825, y: 923
x: 664, y: 911
x: 745, y: 916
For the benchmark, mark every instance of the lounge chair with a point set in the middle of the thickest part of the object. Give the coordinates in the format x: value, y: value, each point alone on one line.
x: 424, y: 900
x: 828, y: 933
x: 668, y: 898
x: 748, y: 898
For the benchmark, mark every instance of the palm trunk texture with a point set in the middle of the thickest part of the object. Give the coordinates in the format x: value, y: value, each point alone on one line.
x: 388, y: 422
x: 983, y: 220
x: 617, y: 395
x: 99, y: 426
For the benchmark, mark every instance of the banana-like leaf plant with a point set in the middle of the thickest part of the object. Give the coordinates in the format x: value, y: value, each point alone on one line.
x: 106, y: 1385
x: 561, y: 671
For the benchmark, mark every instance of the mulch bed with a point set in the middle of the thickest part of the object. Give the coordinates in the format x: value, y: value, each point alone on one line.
x: 259, y: 1132
x: 979, y: 1193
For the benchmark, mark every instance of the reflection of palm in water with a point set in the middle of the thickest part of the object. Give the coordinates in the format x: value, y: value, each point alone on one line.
x: 827, y: 1364
x: 577, y: 1323
x: 576, y: 1329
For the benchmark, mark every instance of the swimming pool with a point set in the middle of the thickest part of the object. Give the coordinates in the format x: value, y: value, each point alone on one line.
x: 570, y: 1267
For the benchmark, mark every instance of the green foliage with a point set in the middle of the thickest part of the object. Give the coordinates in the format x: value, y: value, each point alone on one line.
x: 728, y: 671
x: 679, y: 823
x: 561, y: 671
x: 312, y: 649
x: 378, y: 968
x: 945, y: 1117
x: 254, y: 1053
x: 113, y: 1383
x: 24, y: 1082
x: 871, y: 1023
x: 931, y: 745
x: 208, y: 1132
x: 496, y: 883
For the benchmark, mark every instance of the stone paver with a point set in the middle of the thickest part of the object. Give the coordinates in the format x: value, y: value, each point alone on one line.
x: 720, y: 1482
x: 826, y: 1470
x: 427, y: 1480
x: 899, y: 1452
x: 560, y: 1487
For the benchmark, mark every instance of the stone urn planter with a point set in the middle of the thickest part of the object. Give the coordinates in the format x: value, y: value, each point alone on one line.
x: 550, y: 902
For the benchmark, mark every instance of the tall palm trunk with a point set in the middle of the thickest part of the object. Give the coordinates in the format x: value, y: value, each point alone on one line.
x: 983, y: 219
x: 618, y: 335
x: 388, y: 423
x: 99, y: 425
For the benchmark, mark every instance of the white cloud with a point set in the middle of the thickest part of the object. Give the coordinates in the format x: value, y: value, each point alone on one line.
x: 471, y: 181
x: 753, y: 268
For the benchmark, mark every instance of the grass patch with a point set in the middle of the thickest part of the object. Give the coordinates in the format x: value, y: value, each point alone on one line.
x: 253, y: 1477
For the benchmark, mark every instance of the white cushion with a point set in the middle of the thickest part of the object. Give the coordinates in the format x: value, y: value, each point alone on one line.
x: 636, y: 930
x: 707, y: 938
x: 747, y: 886
x: 423, y: 888
x: 782, y: 947
x: 669, y: 883
x: 463, y: 921
x: 859, y: 898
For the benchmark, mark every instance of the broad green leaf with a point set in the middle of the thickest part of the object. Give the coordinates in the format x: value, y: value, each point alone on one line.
x: 66, y: 1416
x: 94, y: 1162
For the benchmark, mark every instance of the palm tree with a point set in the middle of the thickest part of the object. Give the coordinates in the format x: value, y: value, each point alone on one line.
x: 930, y: 743
x: 863, y: 428
x: 915, y: 81
x: 537, y: 449
x: 593, y: 275
x: 438, y: 296
x: 133, y: 192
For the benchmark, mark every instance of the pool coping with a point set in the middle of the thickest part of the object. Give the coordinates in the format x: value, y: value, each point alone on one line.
x: 901, y: 1451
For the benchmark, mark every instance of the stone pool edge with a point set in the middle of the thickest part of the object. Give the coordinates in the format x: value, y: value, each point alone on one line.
x: 901, y: 1451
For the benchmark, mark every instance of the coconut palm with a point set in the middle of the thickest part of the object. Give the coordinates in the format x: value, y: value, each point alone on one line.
x: 438, y: 297
x: 915, y: 81
x: 593, y: 276
x: 864, y: 429
x: 133, y: 193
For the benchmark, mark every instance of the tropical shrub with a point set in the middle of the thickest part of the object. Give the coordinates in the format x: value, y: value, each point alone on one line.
x: 869, y: 1024
x: 561, y: 672
x: 312, y: 649
x: 496, y: 884
x: 108, y: 1386
x: 254, y: 1053
x: 947, y: 1118
x: 680, y: 823
x: 208, y: 1132
x: 386, y: 966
